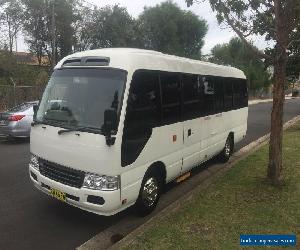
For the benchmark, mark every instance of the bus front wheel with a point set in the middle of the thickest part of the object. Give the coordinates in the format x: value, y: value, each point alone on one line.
x: 149, y: 193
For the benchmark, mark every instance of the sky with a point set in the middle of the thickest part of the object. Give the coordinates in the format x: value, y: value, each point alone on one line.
x: 216, y: 34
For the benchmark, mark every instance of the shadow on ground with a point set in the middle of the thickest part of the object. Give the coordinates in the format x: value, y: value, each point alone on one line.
x: 12, y: 141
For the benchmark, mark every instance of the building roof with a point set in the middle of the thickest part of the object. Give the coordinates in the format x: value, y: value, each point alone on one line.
x: 30, y: 59
x: 133, y: 59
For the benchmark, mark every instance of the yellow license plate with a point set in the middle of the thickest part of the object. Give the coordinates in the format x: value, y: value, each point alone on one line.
x: 58, y: 194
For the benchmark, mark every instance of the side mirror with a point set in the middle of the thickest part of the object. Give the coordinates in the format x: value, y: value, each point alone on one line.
x: 110, y: 124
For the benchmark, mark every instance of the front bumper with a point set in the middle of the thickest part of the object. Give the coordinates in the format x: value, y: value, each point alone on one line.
x: 78, y: 196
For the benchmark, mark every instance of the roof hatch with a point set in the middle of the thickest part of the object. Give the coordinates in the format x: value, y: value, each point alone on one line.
x: 86, y: 61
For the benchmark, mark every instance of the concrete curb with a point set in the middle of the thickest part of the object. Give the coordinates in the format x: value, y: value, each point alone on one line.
x: 237, y: 156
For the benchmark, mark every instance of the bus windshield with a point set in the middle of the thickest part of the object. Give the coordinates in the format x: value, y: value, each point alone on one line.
x: 77, y: 98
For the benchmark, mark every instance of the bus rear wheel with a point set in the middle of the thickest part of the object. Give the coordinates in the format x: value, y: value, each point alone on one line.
x: 227, y: 150
x: 149, y: 193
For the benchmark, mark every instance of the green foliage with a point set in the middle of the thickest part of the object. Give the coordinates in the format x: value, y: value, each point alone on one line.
x: 165, y: 28
x: 46, y: 20
x: 83, y: 28
x: 169, y: 29
x: 21, y: 74
x: 7, y: 64
x: 112, y: 26
x: 293, y: 67
x: 11, y: 19
x: 236, y: 54
x: 56, y: 28
x: 11, y: 72
x: 274, y: 20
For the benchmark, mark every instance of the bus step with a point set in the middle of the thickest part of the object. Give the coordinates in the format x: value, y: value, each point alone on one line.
x: 183, y: 177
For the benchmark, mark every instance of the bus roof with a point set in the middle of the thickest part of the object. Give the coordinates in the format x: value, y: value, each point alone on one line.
x: 133, y: 59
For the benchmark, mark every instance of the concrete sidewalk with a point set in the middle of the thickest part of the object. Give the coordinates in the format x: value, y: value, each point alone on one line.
x: 256, y: 101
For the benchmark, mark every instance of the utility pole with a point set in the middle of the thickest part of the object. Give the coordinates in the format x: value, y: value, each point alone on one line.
x: 14, y: 89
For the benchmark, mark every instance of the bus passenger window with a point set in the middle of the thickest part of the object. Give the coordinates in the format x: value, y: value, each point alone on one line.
x: 143, y: 114
x: 240, y: 94
x: 245, y: 92
x: 219, y: 95
x: 171, y: 104
x: 191, y: 97
x: 228, y: 95
x: 208, y: 95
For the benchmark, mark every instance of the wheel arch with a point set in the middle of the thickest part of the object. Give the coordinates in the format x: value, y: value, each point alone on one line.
x: 231, y: 135
x: 159, y: 168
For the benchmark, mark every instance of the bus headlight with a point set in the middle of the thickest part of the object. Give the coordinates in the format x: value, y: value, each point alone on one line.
x: 101, y: 182
x: 34, y: 162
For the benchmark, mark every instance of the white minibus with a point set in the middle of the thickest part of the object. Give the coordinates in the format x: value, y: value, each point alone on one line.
x: 115, y: 125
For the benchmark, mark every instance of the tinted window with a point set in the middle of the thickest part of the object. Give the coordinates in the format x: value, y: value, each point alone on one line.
x: 240, y: 94
x: 219, y: 94
x: 171, y: 106
x: 228, y: 95
x: 208, y: 95
x: 191, y: 97
x: 143, y: 113
x: 244, y: 93
x: 143, y: 105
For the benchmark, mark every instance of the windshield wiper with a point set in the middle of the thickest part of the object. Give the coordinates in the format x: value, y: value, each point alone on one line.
x: 83, y: 129
x: 62, y: 131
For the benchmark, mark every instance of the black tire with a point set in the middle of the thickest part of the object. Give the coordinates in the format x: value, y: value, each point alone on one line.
x: 224, y: 156
x: 149, y: 194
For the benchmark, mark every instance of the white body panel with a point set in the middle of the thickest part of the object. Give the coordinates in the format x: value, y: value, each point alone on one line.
x: 88, y: 152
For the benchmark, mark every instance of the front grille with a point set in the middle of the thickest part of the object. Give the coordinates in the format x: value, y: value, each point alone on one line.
x: 59, y: 173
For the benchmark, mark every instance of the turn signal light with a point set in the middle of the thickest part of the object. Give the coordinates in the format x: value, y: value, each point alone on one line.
x: 15, y: 118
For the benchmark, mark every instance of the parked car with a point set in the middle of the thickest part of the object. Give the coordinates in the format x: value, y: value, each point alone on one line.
x: 16, y: 122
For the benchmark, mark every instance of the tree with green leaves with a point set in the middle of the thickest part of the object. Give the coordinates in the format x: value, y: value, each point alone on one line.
x: 11, y: 19
x: 293, y: 68
x: 83, y: 27
x: 276, y: 20
x: 112, y: 26
x: 49, y: 27
x: 169, y: 29
x: 237, y: 54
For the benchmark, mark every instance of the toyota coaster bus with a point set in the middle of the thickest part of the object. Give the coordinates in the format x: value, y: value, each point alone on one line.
x: 114, y: 125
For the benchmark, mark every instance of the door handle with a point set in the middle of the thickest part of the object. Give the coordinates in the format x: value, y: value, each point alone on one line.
x: 189, y: 132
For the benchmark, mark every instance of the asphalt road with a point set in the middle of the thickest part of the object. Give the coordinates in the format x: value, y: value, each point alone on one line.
x: 30, y: 219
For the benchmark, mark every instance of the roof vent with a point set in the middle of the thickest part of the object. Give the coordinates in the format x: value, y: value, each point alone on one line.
x: 87, y: 61
x: 97, y: 61
x: 72, y: 62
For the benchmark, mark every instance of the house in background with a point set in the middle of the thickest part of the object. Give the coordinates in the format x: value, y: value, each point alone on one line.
x: 30, y: 59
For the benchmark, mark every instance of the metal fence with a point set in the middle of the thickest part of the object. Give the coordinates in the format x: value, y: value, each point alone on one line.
x: 13, y: 95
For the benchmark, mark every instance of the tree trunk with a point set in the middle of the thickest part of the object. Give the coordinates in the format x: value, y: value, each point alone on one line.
x: 275, y: 147
x: 11, y: 41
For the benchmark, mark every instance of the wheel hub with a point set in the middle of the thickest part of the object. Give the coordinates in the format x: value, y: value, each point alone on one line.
x: 150, y: 191
x: 227, y: 149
